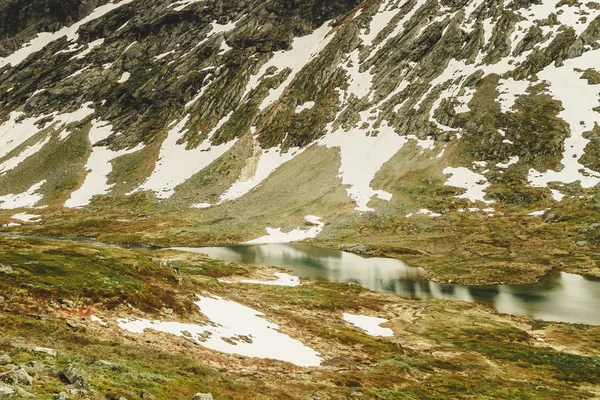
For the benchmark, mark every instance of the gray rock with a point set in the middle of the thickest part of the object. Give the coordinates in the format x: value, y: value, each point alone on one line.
x: 582, y: 243
x: 146, y: 395
x: 75, y: 377
x: 65, y: 303
x: 203, y: 396
x: 105, y: 364
x: 16, y: 377
x: 24, y: 394
x: 6, y: 392
x: 5, y: 359
x: 60, y: 396
x: 45, y: 350
x: 6, y: 269
x: 359, y: 249
x: 33, y: 366
x: 167, y: 311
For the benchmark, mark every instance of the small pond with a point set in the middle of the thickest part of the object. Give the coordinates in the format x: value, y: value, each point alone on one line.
x: 560, y: 296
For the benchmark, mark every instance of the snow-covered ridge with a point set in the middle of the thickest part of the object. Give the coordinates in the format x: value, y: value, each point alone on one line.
x: 70, y: 32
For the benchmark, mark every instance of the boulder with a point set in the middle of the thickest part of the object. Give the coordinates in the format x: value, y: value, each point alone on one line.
x: 6, y: 269
x: 203, y: 396
x: 6, y: 392
x: 16, y: 377
x: 65, y: 303
x: 50, y: 352
x: 5, y: 359
x: 75, y: 377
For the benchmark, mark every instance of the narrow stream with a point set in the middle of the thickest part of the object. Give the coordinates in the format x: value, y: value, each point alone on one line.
x: 559, y: 297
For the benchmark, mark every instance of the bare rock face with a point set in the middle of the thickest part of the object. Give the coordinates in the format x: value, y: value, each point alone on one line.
x: 234, y: 83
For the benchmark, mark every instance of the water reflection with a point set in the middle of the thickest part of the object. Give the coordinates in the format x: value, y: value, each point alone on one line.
x: 560, y: 297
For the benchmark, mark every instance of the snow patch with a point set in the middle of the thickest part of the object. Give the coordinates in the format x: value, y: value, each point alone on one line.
x: 176, y: 164
x: 362, y: 156
x: 283, y: 279
x: 27, y: 199
x: 275, y: 235
x: 233, y: 329
x: 304, y: 50
x: 27, y: 217
x: 124, y: 77
x: 98, y: 165
x: 70, y: 32
x: 474, y: 183
x: 371, y: 325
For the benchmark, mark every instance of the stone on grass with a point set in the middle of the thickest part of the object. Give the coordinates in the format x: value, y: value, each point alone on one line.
x: 6, y: 269
x: 16, y: 377
x: 75, y: 377
x: 203, y: 396
x: 6, y: 392
x: 5, y: 359
x: 50, y: 352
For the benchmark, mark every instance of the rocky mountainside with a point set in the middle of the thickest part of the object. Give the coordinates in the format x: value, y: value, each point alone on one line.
x: 247, y: 114
x: 460, y: 136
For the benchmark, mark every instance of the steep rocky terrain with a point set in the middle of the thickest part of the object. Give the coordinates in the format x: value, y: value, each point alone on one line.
x: 461, y: 136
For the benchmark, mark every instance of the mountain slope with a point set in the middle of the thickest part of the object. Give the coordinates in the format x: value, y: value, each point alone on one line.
x: 253, y: 114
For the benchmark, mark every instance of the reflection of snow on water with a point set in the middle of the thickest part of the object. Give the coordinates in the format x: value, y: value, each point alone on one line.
x: 380, y: 274
x: 561, y: 297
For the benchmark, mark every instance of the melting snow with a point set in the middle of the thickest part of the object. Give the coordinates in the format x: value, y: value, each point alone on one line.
x: 511, y: 161
x: 201, y: 205
x: 45, y: 38
x: 371, y: 325
x: 26, y: 217
x: 283, y: 279
x: 26, y: 199
x: 233, y: 329
x: 362, y: 157
x: 181, y: 4
x: 306, y: 106
x: 176, y: 164
x: 474, y: 183
x: 424, y: 211
x: 93, y: 318
x: 578, y: 100
x: 98, y: 166
x: 276, y: 236
x: 538, y: 213
x: 124, y: 77
x: 304, y: 49
x: 17, y: 130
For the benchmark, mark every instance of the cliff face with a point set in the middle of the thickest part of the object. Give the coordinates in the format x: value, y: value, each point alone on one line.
x: 294, y: 107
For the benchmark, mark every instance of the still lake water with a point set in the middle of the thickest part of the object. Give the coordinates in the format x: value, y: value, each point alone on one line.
x: 560, y: 297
